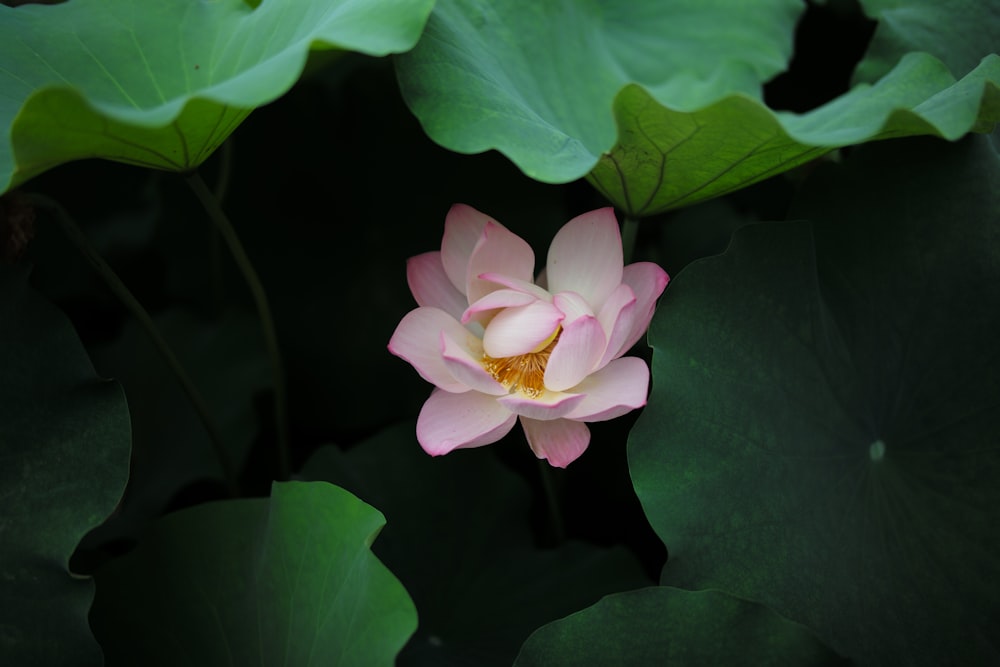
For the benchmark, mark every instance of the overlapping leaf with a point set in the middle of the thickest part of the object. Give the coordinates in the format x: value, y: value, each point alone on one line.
x: 64, y: 446
x: 288, y: 580
x: 458, y: 539
x: 659, y: 104
x: 669, y: 626
x: 163, y: 84
x: 822, y: 431
x: 958, y: 32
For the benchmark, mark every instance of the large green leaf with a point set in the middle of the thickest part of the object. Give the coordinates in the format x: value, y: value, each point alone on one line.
x: 288, y: 580
x: 459, y: 540
x: 64, y: 442
x: 659, y: 107
x: 822, y: 433
x: 669, y: 626
x: 163, y: 84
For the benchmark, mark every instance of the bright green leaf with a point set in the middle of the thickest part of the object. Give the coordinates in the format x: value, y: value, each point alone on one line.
x: 459, y: 539
x: 958, y: 32
x: 162, y: 84
x: 660, y: 108
x: 288, y: 580
x: 536, y: 80
x: 64, y: 442
x: 666, y: 159
x: 822, y: 432
x: 669, y: 626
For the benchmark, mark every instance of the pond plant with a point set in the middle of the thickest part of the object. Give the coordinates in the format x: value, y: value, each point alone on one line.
x: 274, y: 273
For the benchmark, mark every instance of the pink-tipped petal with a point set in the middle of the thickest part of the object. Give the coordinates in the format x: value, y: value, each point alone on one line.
x: 457, y: 421
x: 463, y: 226
x: 613, y: 391
x: 617, y: 317
x: 559, y: 441
x: 463, y: 364
x: 572, y: 305
x: 517, y: 285
x: 502, y: 298
x: 521, y: 330
x: 431, y: 286
x: 580, y: 348
x: 498, y: 250
x: 550, y: 405
x: 648, y: 281
x: 417, y: 339
x: 586, y: 257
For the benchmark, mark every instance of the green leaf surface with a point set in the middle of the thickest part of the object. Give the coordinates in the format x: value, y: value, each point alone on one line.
x: 669, y: 626
x: 163, y: 84
x: 458, y: 539
x: 288, y: 580
x: 64, y: 443
x: 958, y: 32
x: 822, y: 432
x: 659, y: 108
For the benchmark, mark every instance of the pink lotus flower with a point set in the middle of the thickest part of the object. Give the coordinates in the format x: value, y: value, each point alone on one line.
x: 498, y: 347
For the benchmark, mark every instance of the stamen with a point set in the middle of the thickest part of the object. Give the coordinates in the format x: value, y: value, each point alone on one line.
x: 524, y: 373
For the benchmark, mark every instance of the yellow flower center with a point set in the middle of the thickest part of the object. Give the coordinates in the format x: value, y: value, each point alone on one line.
x: 524, y: 373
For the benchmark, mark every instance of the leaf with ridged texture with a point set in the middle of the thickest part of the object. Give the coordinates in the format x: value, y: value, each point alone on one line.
x: 821, y: 436
x: 659, y: 105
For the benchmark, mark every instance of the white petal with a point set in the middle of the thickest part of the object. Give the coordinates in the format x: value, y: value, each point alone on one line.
x: 431, y: 286
x: 502, y: 298
x: 559, y: 441
x: 550, y: 405
x: 456, y: 421
x: 572, y: 306
x: 580, y: 348
x: 417, y: 339
x: 648, y: 281
x: 617, y: 317
x: 463, y: 227
x: 463, y: 364
x: 521, y: 330
x: 517, y: 285
x: 498, y: 251
x: 586, y: 257
x: 615, y: 390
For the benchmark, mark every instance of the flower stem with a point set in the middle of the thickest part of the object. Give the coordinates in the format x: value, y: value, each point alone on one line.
x: 118, y: 288
x: 215, y: 241
x: 225, y: 227
x: 630, y: 229
x: 555, y: 514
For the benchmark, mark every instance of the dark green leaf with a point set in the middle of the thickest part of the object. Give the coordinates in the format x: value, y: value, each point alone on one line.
x: 227, y: 362
x: 285, y: 581
x: 64, y: 442
x: 669, y: 626
x: 458, y: 539
x: 822, y: 433
x: 958, y: 32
